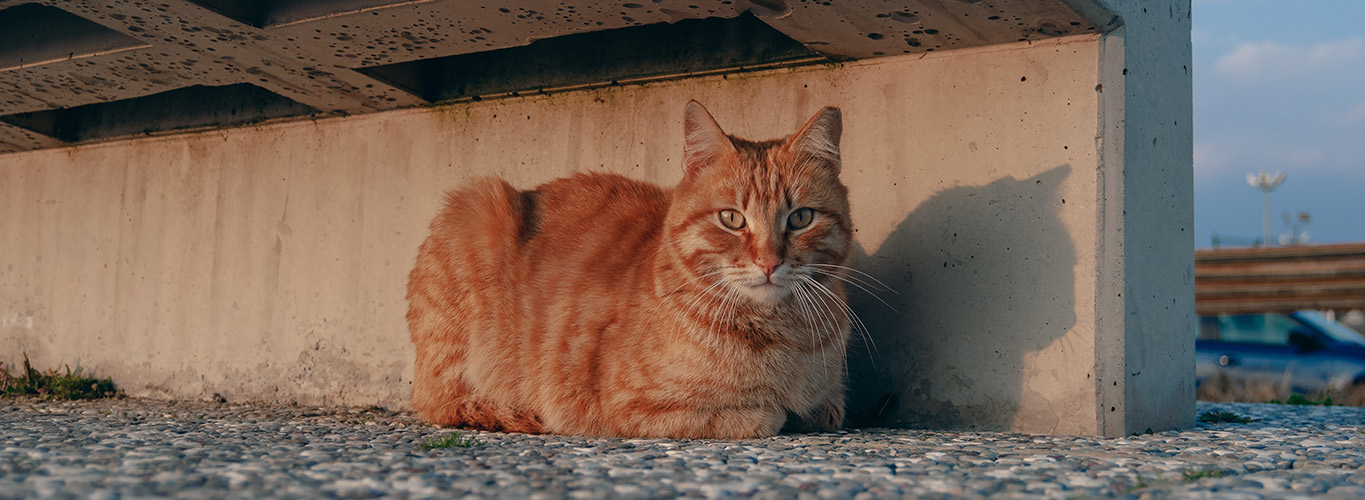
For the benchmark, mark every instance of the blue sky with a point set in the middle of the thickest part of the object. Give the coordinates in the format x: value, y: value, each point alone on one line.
x: 1279, y: 85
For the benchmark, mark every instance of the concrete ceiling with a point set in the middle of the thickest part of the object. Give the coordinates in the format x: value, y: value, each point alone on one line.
x: 80, y: 70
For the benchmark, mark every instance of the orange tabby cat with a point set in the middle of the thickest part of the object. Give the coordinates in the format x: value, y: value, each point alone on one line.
x: 599, y: 305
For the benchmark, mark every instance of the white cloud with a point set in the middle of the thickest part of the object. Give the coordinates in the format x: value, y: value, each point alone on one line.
x: 1270, y: 61
x: 1273, y: 105
x: 1221, y: 157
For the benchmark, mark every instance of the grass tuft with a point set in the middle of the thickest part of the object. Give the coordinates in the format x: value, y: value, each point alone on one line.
x: 1299, y: 400
x: 53, y: 385
x: 452, y: 440
x: 1224, y: 417
x: 1221, y: 388
x: 1192, y: 475
x: 363, y: 420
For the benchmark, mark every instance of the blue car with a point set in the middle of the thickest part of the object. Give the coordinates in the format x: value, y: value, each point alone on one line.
x: 1303, y: 349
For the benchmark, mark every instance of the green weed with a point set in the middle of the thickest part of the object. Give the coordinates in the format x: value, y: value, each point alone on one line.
x: 363, y: 420
x: 1300, y: 400
x: 1141, y: 482
x: 53, y: 385
x: 452, y: 440
x: 1224, y: 417
x: 1192, y: 475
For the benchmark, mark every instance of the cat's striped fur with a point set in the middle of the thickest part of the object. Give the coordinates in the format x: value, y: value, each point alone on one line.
x: 599, y: 305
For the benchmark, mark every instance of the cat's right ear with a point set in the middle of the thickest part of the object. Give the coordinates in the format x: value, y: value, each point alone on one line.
x: 705, y: 141
x: 819, y: 139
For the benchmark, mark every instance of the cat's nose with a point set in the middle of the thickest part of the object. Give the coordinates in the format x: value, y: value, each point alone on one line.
x: 768, y: 263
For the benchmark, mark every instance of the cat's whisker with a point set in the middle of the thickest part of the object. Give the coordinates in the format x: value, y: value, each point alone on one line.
x: 874, y: 283
x: 848, y: 312
x: 843, y: 304
x: 734, y: 308
x: 703, y: 293
x: 688, y: 306
x: 832, y: 330
x: 700, y: 296
x: 836, y: 329
x: 800, y: 293
x: 846, y: 279
x: 868, y: 276
x: 844, y: 347
x: 718, y: 313
x: 800, y: 303
x: 824, y: 311
x: 734, y: 311
x: 828, y: 321
x: 869, y: 288
x: 695, y: 278
x: 856, y: 322
x: 730, y: 307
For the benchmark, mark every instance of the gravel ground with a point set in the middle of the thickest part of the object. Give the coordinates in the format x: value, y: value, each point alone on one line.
x: 137, y: 448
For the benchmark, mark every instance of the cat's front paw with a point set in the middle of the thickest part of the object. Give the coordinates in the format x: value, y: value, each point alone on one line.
x: 824, y: 418
x: 743, y: 423
x: 828, y: 417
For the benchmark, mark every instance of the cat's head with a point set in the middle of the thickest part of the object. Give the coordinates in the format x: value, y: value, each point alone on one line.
x: 758, y: 219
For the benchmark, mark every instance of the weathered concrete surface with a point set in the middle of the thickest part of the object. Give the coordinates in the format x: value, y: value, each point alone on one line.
x: 269, y: 262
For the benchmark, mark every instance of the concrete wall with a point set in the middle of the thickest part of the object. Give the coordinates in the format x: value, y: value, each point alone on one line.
x: 269, y: 263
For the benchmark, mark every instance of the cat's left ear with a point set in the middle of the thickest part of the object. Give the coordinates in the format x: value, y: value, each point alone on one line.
x: 819, y: 139
x: 705, y: 141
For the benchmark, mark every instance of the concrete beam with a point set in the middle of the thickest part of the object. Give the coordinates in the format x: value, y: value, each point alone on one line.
x: 14, y: 139
x: 323, y: 54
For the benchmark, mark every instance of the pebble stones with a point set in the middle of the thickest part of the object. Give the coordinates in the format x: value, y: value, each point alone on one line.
x: 139, y: 448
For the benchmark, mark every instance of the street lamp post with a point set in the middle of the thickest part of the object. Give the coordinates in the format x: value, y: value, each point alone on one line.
x: 1266, y: 181
x: 1298, y: 232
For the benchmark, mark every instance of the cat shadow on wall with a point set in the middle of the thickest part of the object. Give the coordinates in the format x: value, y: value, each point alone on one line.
x: 982, y: 275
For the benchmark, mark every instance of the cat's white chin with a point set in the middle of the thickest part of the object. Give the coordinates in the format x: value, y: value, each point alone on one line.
x: 766, y: 292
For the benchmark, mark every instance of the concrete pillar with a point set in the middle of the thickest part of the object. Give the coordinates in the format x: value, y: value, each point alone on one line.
x: 995, y: 333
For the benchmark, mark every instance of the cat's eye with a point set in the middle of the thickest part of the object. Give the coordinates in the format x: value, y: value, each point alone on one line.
x: 800, y: 218
x: 732, y: 219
